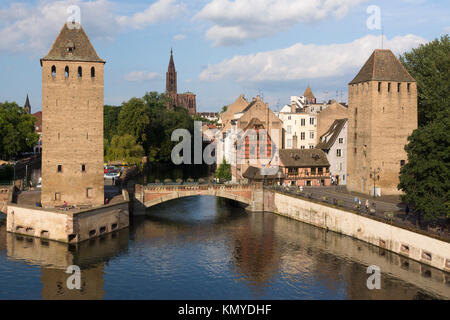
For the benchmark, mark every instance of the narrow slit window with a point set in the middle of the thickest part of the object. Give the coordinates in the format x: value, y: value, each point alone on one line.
x: 59, y: 168
x: 80, y: 72
x: 66, y: 72
x: 379, y: 86
x: 53, y: 71
x: 92, y: 72
x: 83, y: 168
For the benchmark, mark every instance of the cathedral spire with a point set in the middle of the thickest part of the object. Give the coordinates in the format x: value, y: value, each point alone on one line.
x: 27, y: 105
x: 171, y: 76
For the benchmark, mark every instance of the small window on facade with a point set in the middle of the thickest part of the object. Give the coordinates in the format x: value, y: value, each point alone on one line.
x: 92, y: 72
x: 338, y: 153
x: 83, y: 168
x: 66, y: 72
x: 57, y: 196
x: 379, y: 86
x: 53, y: 71
x: 356, y: 111
x: 59, y: 168
x: 341, y: 140
x: 398, y: 87
x: 80, y: 72
x: 311, y: 121
x: 389, y: 87
x: 409, y: 87
x: 356, y: 151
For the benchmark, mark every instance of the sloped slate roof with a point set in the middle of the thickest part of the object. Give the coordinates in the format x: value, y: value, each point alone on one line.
x: 383, y: 65
x: 253, y: 173
x: 308, y: 93
x: 75, y: 38
x: 303, y: 158
x: 331, y: 134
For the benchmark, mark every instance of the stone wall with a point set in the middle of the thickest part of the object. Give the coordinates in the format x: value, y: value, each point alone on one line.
x: 4, y: 195
x: 67, y: 226
x: 72, y: 134
x: 427, y: 250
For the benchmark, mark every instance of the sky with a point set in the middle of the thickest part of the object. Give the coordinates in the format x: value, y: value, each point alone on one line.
x: 222, y: 48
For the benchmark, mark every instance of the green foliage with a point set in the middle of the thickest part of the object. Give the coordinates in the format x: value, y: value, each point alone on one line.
x: 152, y: 124
x: 224, y: 109
x: 223, y: 173
x: 110, y: 121
x: 425, y: 179
x: 17, y: 130
x: 125, y: 148
x: 429, y: 64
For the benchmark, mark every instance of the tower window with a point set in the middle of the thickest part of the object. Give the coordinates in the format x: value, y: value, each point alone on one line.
x: 83, y: 168
x: 409, y: 87
x: 92, y: 72
x: 53, y: 71
x: 379, y: 86
x: 389, y: 87
x: 80, y: 72
x: 66, y: 72
x: 59, y: 168
x: 398, y: 87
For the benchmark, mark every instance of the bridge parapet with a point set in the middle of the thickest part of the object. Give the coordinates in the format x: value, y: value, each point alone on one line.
x: 248, y: 194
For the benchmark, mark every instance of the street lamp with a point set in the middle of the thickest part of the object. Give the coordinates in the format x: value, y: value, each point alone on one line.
x: 374, y: 174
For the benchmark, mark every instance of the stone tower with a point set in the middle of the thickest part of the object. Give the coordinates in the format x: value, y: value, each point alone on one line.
x: 27, y: 106
x: 171, y: 77
x: 382, y: 113
x: 185, y: 100
x: 72, y: 121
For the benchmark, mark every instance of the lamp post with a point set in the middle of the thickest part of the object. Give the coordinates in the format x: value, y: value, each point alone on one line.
x: 374, y: 174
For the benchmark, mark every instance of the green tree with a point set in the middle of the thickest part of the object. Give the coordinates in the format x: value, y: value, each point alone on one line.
x: 110, y: 121
x: 125, y: 148
x: 134, y: 119
x: 223, y: 173
x: 17, y: 133
x: 425, y: 179
x: 429, y: 64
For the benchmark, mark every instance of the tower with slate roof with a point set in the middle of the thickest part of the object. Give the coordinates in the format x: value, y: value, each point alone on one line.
x: 72, y: 121
x: 382, y: 113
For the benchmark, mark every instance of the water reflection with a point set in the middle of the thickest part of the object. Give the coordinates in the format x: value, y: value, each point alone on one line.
x: 208, y: 248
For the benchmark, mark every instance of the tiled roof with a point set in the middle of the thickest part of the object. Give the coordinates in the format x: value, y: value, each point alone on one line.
x: 308, y: 93
x: 72, y: 44
x: 38, y: 123
x: 331, y: 134
x: 383, y: 65
x: 253, y: 173
x: 303, y: 158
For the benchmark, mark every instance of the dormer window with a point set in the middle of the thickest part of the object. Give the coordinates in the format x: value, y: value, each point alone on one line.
x: 70, y: 46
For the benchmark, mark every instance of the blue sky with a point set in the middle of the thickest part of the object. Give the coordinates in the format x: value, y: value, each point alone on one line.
x: 222, y: 48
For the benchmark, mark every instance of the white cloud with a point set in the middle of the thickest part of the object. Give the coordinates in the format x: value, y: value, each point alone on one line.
x: 179, y: 37
x: 141, y: 76
x: 446, y: 30
x: 305, y: 61
x: 33, y: 28
x: 159, y: 11
x: 240, y: 20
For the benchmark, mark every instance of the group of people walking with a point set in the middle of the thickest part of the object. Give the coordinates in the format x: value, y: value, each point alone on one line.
x: 358, y: 203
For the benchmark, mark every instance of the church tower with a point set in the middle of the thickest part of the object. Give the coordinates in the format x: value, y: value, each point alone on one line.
x: 382, y: 113
x: 27, y: 106
x: 171, y: 77
x: 72, y: 121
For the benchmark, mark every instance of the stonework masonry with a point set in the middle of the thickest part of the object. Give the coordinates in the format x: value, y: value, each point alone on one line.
x: 72, y: 127
x: 382, y: 114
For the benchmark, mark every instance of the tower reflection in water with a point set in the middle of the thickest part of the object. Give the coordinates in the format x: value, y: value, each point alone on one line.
x: 54, y: 259
x: 187, y: 247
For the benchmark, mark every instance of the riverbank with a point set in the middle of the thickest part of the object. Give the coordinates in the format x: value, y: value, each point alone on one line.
x: 419, y: 247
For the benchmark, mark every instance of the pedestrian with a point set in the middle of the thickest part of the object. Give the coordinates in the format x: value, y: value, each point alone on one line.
x: 367, y: 206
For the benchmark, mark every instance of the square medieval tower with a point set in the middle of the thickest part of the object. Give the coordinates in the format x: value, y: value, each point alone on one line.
x: 382, y: 113
x: 72, y: 121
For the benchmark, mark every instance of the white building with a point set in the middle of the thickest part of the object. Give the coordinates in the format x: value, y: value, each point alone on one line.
x: 299, y: 128
x: 334, y: 144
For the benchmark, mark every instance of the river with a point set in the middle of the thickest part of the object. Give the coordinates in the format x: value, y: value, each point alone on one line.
x: 209, y: 248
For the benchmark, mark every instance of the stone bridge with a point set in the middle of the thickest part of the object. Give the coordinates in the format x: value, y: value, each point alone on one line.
x: 251, y: 195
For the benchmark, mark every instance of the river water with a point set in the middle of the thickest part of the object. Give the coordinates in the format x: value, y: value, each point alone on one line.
x: 209, y: 248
